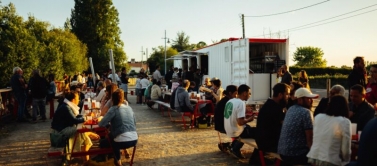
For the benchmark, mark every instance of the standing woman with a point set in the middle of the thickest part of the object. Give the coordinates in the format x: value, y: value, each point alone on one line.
x: 123, y: 133
x: 332, y: 135
x: 303, y: 79
x: 51, y: 91
x: 279, y: 74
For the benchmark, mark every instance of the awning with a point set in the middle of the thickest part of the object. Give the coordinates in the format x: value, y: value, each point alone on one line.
x: 185, y: 55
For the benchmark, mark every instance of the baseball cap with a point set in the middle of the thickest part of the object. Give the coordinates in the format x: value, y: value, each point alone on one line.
x: 214, y: 78
x: 303, y: 92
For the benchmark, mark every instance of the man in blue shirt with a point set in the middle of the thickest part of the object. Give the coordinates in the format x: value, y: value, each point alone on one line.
x: 296, y: 135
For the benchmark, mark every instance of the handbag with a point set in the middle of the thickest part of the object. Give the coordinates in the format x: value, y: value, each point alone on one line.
x: 57, y: 140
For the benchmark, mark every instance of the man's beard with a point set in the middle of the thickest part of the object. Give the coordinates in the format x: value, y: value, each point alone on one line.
x: 308, y: 105
x: 283, y: 102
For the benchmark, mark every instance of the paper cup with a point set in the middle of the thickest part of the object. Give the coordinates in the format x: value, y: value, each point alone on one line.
x: 353, y: 128
x: 359, y: 135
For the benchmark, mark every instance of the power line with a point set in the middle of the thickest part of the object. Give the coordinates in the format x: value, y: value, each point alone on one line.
x: 306, y: 25
x: 335, y: 16
x: 289, y: 11
x: 335, y: 20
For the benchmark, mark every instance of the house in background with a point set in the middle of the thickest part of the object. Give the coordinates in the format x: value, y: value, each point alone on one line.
x: 137, y: 66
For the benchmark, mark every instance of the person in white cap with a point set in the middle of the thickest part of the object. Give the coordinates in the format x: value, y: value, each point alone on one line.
x: 296, y: 135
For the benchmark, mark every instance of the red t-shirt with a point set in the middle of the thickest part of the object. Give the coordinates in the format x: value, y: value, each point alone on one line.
x: 371, y: 93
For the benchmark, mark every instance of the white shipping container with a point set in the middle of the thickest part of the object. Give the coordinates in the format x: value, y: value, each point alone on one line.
x: 240, y: 61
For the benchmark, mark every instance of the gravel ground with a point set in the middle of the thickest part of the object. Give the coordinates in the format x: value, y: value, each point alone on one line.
x: 161, y: 142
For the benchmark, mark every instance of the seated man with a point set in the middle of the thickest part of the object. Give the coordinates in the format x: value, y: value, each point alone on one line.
x: 360, y: 110
x: 296, y: 135
x: 270, y: 119
x: 182, y: 99
x: 322, y: 105
x: 207, y: 88
x: 235, y: 121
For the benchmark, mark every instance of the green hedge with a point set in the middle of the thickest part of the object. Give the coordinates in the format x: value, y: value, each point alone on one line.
x: 319, y: 82
x: 315, y: 71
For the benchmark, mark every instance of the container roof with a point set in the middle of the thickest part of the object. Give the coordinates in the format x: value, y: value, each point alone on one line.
x: 185, y: 55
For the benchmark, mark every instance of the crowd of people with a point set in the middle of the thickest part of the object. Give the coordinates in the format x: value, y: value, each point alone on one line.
x: 285, y: 123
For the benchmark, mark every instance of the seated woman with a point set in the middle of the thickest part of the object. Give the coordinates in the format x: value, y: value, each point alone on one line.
x: 156, y: 93
x: 66, y: 118
x: 123, y: 127
x: 107, y: 102
x: 332, y: 135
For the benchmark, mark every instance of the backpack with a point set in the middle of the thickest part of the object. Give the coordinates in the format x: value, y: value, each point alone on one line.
x: 172, y: 99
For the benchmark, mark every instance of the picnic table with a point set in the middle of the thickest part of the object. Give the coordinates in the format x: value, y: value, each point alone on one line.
x: 5, y: 99
x: 101, y: 131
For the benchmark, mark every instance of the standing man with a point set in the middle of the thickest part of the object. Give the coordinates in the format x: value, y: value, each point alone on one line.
x: 156, y: 74
x: 372, y: 86
x: 38, y: 88
x: 296, y: 135
x: 19, y: 87
x: 287, y: 76
x: 124, y: 83
x: 270, y: 119
x: 169, y: 76
x: 358, y: 74
x: 235, y: 121
x: 360, y: 110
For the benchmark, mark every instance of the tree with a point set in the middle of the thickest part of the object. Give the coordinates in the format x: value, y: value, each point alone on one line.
x: 182, y: 43
x: 95, y: 23
x: 17, y: 47
x: 309, y: 57
x: 158, y: 56
x: 33, y: 44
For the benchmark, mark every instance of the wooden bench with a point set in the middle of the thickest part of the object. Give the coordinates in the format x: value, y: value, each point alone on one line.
x: 53, y: 152
x: 162, y: 105
x: 253, y: 143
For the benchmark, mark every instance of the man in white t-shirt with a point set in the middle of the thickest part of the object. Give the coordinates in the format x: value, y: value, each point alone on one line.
x: 235, y: 121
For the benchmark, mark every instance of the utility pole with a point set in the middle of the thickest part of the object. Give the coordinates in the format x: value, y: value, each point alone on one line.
x: 243, y: 26
x: 146, y: 56
x: 165, y: 52
x: 142, y: 52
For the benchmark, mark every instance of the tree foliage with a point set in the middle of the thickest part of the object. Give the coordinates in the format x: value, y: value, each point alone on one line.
x: 157, y: 58
x: 95, y: 23
x: 32, y: 44
x: 182, y: 42
x: 309, y: 57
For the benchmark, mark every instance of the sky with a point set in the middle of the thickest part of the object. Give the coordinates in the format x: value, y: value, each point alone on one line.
x: 143, y: 23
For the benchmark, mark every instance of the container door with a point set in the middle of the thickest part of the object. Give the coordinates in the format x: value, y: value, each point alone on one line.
x: 240, y: 62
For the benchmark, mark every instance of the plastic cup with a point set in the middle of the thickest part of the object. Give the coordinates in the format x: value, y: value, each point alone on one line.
x: 203, y: 97
x: 359, y: 135
x: 353, y: 128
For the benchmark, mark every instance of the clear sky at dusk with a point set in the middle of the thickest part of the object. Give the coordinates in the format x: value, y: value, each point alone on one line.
x: 143, y: 23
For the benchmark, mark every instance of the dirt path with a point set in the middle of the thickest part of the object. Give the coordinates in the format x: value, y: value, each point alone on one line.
x: 161, y: 142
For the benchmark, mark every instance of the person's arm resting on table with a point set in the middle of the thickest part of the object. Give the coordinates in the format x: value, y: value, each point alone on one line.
x: 107, y: 118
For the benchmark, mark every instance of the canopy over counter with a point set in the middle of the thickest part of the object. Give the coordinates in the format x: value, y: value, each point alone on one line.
x: 186, y: 55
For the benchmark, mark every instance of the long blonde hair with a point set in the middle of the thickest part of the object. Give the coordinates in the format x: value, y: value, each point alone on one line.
x: 303, y: 74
